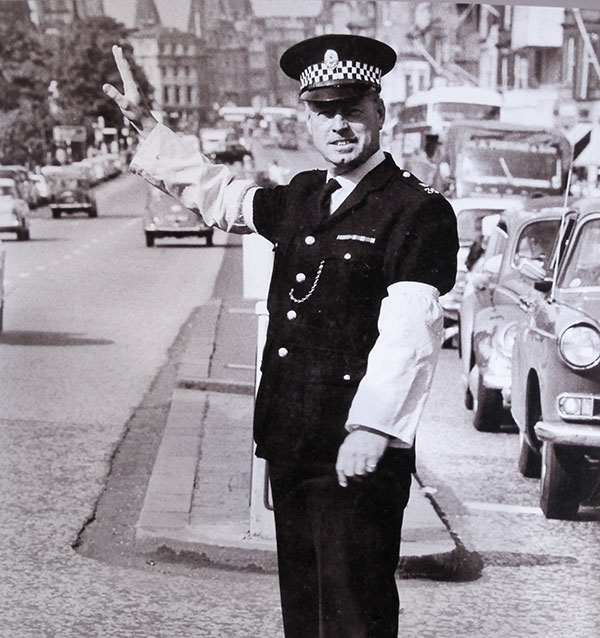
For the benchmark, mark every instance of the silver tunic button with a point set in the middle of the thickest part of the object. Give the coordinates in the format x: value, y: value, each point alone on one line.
x: 346, y: 377
x: 309, y: 240
x: 282, y: 352
x: 291, y: 315
x: 300, y: 277
x: 406, y: 174
x: 347, y: 256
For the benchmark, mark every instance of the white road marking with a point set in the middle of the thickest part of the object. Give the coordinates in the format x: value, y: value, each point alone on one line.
x: 10, y: 284
x: 240, y: 366
x: 502, y: 507
x: 241, y: 311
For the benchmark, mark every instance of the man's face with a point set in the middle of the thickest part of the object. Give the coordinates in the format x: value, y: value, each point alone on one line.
x: 346, y: 132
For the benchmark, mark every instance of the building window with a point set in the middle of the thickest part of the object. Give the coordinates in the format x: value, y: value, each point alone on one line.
x: 504, y: 72
x: 538, y: 65
x: 507, y: 18
x: 165, y: 94
x: 569, y: 68
x: 521, y: 72
x: 190, y: 94
x: 177, y: 95
x: 585, y: 75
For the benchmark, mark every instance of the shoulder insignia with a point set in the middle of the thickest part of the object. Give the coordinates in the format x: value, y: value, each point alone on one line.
x: 428, y: 189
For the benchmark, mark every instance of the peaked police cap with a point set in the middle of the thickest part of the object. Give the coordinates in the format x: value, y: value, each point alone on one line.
x: 337, y: 66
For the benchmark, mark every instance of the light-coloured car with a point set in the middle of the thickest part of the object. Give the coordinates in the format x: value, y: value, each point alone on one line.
x: 165, y: 217
x: 475, y: 216
x: 14, y: 211
x: 497, y: 295
x: 25, y: 186
x: 2, y: 262
x: 556, y: 369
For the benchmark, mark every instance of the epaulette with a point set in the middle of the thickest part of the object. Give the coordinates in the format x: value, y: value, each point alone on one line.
x: 426, y: 188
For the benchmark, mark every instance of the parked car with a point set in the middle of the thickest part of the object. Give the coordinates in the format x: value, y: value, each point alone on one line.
x: 165, y: 217
x: 556, y: 370
x: 73, y: 196
x: 472, y: 231
x: 41, y: 186
x: 2, y: 261
x: 497, y: 295
x: 14, y: 211
x: 25, y: 186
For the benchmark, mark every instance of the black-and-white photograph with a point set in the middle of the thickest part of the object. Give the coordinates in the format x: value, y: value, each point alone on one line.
x: 299, y: 319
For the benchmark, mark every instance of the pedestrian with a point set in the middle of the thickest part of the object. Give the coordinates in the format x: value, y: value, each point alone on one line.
x: 362, y: 252
x: 277, y: 173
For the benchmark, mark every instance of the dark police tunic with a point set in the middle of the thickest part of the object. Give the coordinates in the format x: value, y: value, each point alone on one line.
x: 329, y: 278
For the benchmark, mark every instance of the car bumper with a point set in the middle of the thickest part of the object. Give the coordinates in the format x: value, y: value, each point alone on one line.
x: 72, y: 206
x: 178, y: 232
x: 575, y: 434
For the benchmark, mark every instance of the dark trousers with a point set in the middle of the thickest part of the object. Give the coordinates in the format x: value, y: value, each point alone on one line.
x: 338, y: 548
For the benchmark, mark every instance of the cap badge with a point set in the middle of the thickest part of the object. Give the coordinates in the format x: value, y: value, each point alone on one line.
x: 331, y: 59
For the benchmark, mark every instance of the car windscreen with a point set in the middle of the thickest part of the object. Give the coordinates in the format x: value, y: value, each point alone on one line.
x: 583, y: 267
x: 514, y: 163
x: 7, y: 190
x: 536, y: 242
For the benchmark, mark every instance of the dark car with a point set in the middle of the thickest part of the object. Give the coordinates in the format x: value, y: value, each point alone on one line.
x: 233, y: 153
x: 497, y: 295
x: 556, y: 369
x: 74, y: 196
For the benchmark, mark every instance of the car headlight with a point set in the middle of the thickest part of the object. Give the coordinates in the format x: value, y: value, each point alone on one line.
x: 579, y: 346
x: 506, y: 337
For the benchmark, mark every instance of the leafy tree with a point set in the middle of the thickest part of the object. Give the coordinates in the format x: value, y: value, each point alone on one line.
x: 25, y: 121
x: 83, y: 63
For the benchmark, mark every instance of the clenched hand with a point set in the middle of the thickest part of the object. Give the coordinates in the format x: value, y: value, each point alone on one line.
x: 359, y: 454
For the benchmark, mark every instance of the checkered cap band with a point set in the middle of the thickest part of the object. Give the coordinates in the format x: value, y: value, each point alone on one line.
x: 347, y: 71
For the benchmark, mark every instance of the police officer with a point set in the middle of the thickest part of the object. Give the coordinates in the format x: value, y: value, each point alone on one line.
x: 362, y: 252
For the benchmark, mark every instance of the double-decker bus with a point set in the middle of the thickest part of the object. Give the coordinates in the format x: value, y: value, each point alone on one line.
x: 426, y: 116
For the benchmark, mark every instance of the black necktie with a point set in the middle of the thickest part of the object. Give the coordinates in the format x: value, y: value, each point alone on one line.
x: 325, y: 197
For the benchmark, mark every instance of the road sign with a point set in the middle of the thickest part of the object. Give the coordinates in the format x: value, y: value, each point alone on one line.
x: 69, y: 134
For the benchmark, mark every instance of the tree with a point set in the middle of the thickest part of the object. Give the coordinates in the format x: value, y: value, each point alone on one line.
x: 25, y: 121
x: 83, y: 63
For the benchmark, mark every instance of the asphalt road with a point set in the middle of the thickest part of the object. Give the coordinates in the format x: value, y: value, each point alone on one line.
x: 93, y: 326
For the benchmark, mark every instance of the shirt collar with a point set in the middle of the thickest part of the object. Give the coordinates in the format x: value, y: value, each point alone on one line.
x: 348, y: 181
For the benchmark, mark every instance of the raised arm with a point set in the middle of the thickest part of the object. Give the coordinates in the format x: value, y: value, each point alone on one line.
x: 132, y: 102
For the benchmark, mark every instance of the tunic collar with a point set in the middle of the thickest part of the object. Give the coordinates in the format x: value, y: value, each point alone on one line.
x: 349, y: 181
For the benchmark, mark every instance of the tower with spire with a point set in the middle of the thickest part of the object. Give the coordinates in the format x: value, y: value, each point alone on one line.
x: 146, y: 14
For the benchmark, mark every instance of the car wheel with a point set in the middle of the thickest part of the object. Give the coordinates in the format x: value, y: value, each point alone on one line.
x: 561, y: 481
x: 530, y: 461
x: 23, y: 234
x: 488, y: 408
x: 55, y: 214
x: 209, y: 239
x: 93, y: 212
x: 149, y: 240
